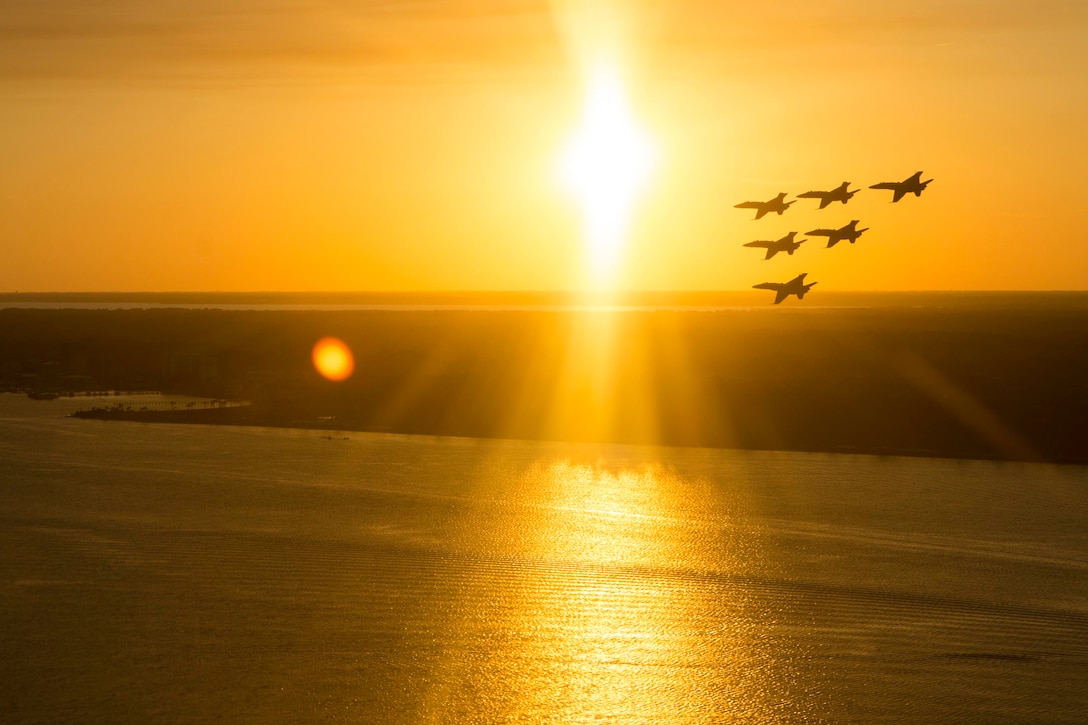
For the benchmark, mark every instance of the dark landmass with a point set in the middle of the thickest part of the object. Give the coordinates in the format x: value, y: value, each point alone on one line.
x: 993, y: 377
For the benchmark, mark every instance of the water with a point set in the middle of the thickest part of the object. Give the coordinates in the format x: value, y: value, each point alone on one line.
x: 187, y: 574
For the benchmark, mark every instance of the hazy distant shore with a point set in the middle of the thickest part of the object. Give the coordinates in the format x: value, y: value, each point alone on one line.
x: 989, y: 380
x: 540, y: 299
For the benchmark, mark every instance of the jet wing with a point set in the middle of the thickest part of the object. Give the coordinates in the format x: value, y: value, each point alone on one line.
x: 782, y: 294
x: 898, y: 195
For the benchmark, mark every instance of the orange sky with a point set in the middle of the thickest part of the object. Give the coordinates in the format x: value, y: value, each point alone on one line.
x: 315, y: 145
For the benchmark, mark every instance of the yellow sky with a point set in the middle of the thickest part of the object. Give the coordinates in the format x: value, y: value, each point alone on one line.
x: 317, y: 145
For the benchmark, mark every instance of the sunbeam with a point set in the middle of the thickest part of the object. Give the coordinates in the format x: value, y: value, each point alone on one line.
x: 607, y: 165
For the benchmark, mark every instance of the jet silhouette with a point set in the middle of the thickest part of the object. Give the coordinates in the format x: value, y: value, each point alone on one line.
x: 849, y: 232
x: 777, y: 204
x: 795, y: 286
x: 913, y: 185
x: 785, y: 244
x: 839, y: 193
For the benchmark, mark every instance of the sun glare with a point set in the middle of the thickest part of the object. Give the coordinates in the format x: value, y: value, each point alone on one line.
x: 333, y: 359
x: 607, y: 164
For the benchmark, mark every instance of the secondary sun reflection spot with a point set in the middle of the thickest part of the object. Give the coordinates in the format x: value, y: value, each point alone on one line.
x: 333, y: 359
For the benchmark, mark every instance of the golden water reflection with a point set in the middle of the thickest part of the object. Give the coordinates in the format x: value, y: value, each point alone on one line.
x: 603, y: 606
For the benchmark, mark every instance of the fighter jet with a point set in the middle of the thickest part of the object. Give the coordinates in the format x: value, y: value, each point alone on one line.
x: 850, y: 232
x: 901, y: 188
x: 785, y: 244
x: 795, y: 286
x: 839, y: 193
x: 777, y: 204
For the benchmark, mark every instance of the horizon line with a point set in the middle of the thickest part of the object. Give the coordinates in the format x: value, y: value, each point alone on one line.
x: 510, y: 292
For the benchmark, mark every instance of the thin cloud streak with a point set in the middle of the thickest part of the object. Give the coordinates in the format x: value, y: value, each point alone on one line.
x: 230, y: 39
x: 126, y: 39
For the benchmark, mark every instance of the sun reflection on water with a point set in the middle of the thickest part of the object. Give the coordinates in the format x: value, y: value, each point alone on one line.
x: 606, y: 612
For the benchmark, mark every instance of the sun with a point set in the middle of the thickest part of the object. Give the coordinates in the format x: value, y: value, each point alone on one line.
x: 607, y: 165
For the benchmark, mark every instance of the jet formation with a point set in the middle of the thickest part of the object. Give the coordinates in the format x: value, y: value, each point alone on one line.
x: 848, y: 232
x: 795, y: 286
x: 842, y: 193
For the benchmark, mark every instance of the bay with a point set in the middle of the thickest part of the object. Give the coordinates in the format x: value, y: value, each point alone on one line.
x: 160, y: 573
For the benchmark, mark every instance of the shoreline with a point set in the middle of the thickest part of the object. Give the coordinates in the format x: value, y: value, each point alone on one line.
x: 239, y: 415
